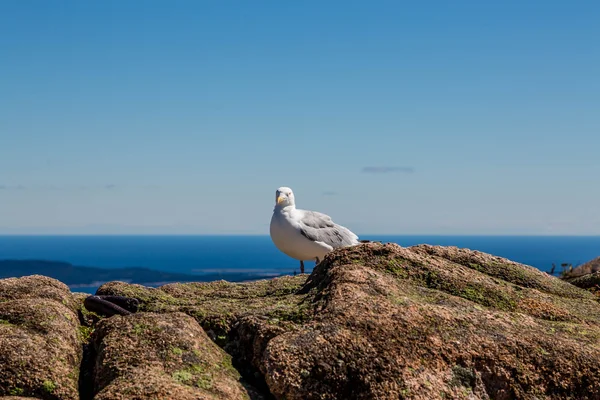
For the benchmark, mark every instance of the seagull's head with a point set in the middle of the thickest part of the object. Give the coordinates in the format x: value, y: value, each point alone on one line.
x: 284, y: 197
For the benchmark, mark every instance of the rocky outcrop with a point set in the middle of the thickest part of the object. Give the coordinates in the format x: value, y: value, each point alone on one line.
x: 585, y: 276
x: 589, y: 267
x: 40, y: 347
x: 371, y: 322
x: 381, y: 321
x: 431, y: 323
x: 590, y: 282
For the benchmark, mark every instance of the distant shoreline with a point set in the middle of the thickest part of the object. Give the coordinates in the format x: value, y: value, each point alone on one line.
x: 370, y: 236
x: 82, y: 276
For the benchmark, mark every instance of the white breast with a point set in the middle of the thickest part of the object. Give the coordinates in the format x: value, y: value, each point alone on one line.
x: 288, y: 239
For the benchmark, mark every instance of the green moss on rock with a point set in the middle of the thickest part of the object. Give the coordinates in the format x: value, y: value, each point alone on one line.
x: 40, y: 348
x: 171, y: 344
x: 217, y: 305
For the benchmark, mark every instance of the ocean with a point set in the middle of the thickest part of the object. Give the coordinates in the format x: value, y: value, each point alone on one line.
x: 229, y: 255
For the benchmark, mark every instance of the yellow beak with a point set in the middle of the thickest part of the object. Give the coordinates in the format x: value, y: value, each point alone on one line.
x: 280, y: 199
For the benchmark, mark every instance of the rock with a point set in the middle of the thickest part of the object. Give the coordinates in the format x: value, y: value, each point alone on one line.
x: 18, y: 398
x: 432, y: 322
x: 585, y: 276
x: 589, y: 267
x: 156, y: 356
x: 37, y: 287
x: 590, y: 282
x: 386, y: 322
x: 40, y: 351
x: 241, y: 317
x: 218, y: 305
x: 374, y: 321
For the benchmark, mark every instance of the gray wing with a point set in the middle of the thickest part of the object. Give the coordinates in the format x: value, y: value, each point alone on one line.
x: 319, y: 227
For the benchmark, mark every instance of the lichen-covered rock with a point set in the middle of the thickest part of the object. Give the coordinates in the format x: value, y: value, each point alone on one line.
x: 378, y: 321
x: 432, y: 323
x: 218, y: 305
x: 40, y: 350
x: 18, y: 398
x: 37, y: 287
x: 590, y: 282
x: 160, y: 356
x: 589, y: 267
x: 586, y: 276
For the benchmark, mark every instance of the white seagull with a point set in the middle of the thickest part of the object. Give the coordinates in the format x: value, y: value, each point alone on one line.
x: 305, y: 235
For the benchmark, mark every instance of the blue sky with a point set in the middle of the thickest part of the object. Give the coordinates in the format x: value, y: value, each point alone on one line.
x: 434, y: 117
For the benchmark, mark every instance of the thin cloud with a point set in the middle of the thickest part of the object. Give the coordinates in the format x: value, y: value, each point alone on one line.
x: 388, y: 170
x: 12, y: 187
x: 110, y: 186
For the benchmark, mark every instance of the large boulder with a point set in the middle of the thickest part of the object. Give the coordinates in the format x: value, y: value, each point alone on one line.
x: 40, y: 348
x: 156, y: 356
x: 432, y: 323
x: 386, y: 322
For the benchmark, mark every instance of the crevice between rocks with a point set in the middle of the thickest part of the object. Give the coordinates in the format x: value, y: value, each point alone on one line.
x: 88, y: 360
x: 240, y: 341
x: 86, y: 372
x: 239, y: 344
x: 252, y: 379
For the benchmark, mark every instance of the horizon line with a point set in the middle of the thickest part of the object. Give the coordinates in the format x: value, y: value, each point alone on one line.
x: 267, y: 235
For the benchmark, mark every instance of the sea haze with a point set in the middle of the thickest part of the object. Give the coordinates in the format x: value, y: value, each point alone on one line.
x: 238, y: 258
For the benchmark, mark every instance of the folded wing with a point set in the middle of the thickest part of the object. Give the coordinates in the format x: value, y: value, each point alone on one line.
x: 319, y: 227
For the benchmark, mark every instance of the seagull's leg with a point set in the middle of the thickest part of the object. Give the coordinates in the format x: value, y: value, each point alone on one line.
x: 317, y: 261
x: 301, y: 266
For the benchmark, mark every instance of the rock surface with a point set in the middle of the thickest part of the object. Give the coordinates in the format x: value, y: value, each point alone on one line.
x: 40, y: 351
x: 589, y: 267
x: 149, y: 355
x: 371, y: 322
x: 430, y: 322
x: 381, y: 321
x: 586, y: 276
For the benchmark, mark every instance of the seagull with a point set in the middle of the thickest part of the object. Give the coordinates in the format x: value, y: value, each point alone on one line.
x: 305, y: 235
